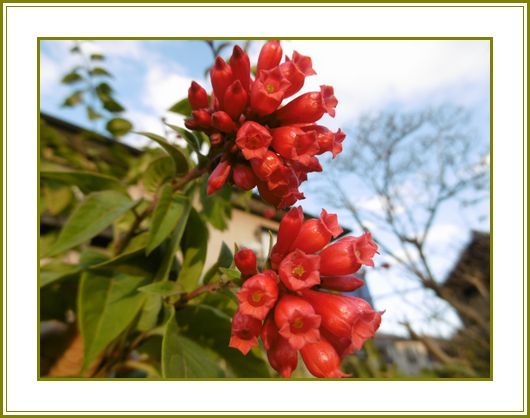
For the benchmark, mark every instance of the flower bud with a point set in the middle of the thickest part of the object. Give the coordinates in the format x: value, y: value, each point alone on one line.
x: 308, y: 107
x: 223, y: 122
x: 245, y: 332
x: 269, y: 56
x: 218, y: 177
x: 299, y: 270
x: 258, y: 295
x: 221, y: 77
x: 244, y: 177
x: 282, y: 357
x: 346, y: 255
x: 245, y: 260
x: 263, y: 167
x: 322, y: 360
x: 240, y: 64
x: 269, y: 333
x: 253, y: 140
x: 235, y: 100
x: 341, y: 283
x: 197, y: 96
x: 315, y: 234
x: 296, y: 321
x: 268, y: 91
x: 202, y: 118
x: 287, y: 232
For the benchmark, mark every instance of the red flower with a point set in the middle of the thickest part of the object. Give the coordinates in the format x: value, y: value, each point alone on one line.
x: 315, y: 234
x: 289, y: 227
x: 297, y: 321
x: 253, y: 140
x: 221, y: 77
x: 245, y: 260
x: 240, y: 65
x: 327, y: 140
x: 268, y: 91
x: 266, y: 165
x: 295, y: 71
x: 309, y: 107
x: 341, y: 283
x: 218, y: 177
x: 322, y: 360
x: 223, y: 122
x: 235, y: 100
x: 197, y: 96
x: 293, y: 143
x: 258, y: 295
x: 201, y: 118
x: 245, y: 332
x: 244, y: 177
x: 299, y: 270
x: 269, y: 56
x: 282, y: 357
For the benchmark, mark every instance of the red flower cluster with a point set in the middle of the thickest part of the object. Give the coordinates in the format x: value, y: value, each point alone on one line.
x: 257, y: 142
x: 287, y: 307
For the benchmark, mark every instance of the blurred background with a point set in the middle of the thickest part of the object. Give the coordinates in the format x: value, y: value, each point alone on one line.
x: 414, y: 171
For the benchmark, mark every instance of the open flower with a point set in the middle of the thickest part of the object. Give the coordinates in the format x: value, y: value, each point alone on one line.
x: 245, y: 332
x: 299, y: 270
x: 258, y: 295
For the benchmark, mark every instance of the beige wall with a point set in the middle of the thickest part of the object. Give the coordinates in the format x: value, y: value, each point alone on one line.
x: 245, y: 229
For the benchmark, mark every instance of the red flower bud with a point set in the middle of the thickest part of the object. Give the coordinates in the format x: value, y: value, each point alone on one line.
x: 240, y: 64
x: 289, y: 227
x: 197, y: 96
x: 341, y: 283
x: 322, y: 360
x: 258, y: 295
x: 235, y: 100
x: 297, y: 321
x: 245, y: 331
x: 282, y: 357
x: 269, y: 56
x: 268, y: 91
x: 266, y: 165
x: 315, y: 234
x: 221, y: 77
x: 293, y: 143
x: 218, y: 177
x: 299, y: 270
x: 244, y: 177
x: 253, y: 140
x: 223, y: 122
x: 202, y: 118
x: 245, y: 260
x: 308, y: 107
x: 295, y: 71
x: 269, y: 333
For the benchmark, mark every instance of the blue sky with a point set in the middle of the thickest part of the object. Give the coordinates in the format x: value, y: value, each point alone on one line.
x: 368, y: 76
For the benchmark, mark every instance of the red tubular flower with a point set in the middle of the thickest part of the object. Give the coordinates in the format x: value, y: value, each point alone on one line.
x: 299, y: 270
x: 244, y: 177
x: 266, y: 165
x: 341, y: 283
x: 245, y: 332
x: 295, y: 71
x: 235, y: 100
x: 293, y: 143
x: 327, y: 140
x: 269, y: 333
x: 281, y: 197
x: 245, y: 260
x: 253, y: 140
x: 365, y: 327
x: 258, y: 295
x: 218, y: 177
x: 282, y: 357
x: 289, y: 227
x: 268, y: 91
x: 201, y: 118
x: 197, y: 96
x: 223, y: 122
x: 297, y: 321
x: 269, y: 56
x: 315, y: 234
x: 322, y: 360
x: 221, y: 76
x: 308, y: 107
x: 240, y: 64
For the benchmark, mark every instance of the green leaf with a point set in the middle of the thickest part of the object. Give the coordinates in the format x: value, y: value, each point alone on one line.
x: 119, y: 126
x: 86, y: 181
x: 210, y: 327
x: 233, y: 274
x: 74, y: 99
x: 182, y: 357
x: 92, y: 216
x: 182, y: 108
x: 57, y: 271
x: 57, y: 198
x: 150, y: 310
x: 188, y: 136
x: 99, y: 71
x: 109, y: 103
x: 71, y: 78
x: 217, y: 208
x: 159, y: 171
x: 223, y: 261
x: 167, y: 213
x: 92, y: 114
x: 194, y: 247
x: 103, y: 90
x: 180, y: 159
x: 163, y: 289
x: 107, y: 305
x: 97, y: 57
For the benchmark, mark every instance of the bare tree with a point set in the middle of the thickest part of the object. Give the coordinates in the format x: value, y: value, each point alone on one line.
x: 408, y: 166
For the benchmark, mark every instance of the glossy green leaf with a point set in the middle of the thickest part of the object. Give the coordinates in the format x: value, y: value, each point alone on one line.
x: 57, y: 271
x: 232, y: 274
x: 86, y: 181
x: 91, y: 216
x: 71, y: 78
x: 109, y: 103
x: 188, y: 136
x: 178, y: 155
x: 183, y: 358
x: 107, y: 305
x: 182, y: 107
x: 217, y: 208
x: 164, y: 289
x: 119, y: 126
x: 149, y: 313
x: 223, y: 261
x: 194, y: 246
x: 159, y: 171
